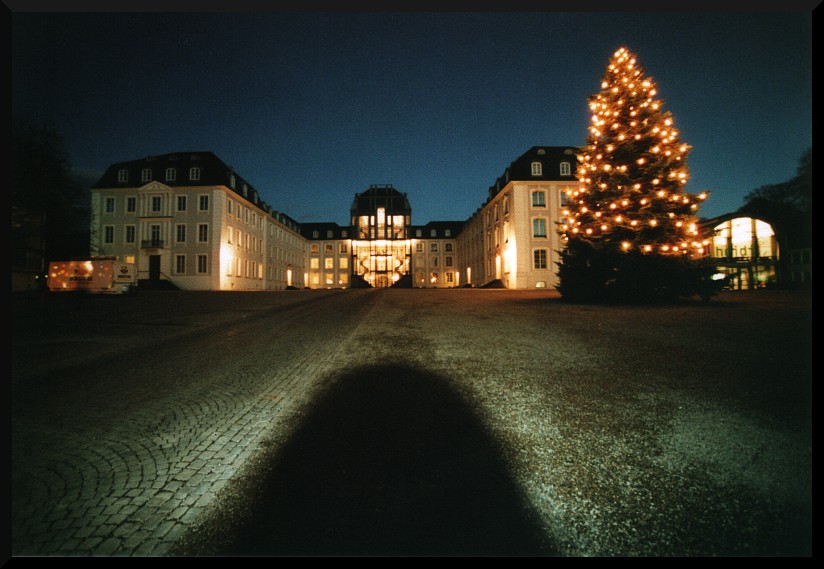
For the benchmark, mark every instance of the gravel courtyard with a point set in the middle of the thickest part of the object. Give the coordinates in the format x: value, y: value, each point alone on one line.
x: 496, y: 422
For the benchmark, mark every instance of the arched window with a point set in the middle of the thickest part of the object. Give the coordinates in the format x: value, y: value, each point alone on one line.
x: 537, y: 169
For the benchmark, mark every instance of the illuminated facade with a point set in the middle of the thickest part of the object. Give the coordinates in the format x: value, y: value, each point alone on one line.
x: 743, y: 249
x: 189, y: 219
x: 381, y: 245
x: 512, y: 238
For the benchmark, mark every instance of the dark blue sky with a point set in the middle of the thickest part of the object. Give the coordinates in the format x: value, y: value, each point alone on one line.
x: 311, y: 108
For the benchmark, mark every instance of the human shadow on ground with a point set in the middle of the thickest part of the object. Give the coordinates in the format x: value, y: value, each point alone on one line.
x: 389, y: 461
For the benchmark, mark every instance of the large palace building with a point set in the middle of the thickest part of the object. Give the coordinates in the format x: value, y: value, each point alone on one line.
x: 190, y: 220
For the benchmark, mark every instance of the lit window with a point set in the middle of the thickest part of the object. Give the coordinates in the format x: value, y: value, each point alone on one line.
x: 537, y: 169
x: 329, y: 263
x: 565, y: 169
x: 344, y: 262
x: 314, y: 248
x: 171, y: 174
x: 449, y: 278
x: 194, y: 175
x: 539, y: 227
x: 538, y: 199
x: 314, y: 263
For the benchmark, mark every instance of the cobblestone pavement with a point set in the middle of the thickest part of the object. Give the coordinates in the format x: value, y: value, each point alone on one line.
x: 143, y: 426
x: 119, y: 455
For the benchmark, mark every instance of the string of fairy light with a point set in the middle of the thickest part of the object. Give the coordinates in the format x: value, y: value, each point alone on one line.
x: 633, y: 170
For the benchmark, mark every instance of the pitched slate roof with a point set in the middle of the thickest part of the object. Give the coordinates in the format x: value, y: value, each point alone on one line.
x: 386, y: 196
x: 550, y: 158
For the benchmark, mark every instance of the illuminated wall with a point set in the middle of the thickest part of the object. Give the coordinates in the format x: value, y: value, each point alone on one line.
x: 381, y: 248
x: 743, y: 238
x: 746, y: 252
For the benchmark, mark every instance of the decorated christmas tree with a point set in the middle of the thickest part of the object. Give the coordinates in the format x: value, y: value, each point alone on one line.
x: 630, y: 228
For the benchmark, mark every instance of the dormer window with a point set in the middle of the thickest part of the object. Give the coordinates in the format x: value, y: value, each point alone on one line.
x: 171, y: 174
x: 122, y: 175
x: 565, y: 169
x: 146, y: 175
x: 537, y: 169
x: 232, y: 181
x: 194, y: 173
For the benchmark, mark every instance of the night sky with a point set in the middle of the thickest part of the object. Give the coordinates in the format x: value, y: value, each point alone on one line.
x: 311, y: 108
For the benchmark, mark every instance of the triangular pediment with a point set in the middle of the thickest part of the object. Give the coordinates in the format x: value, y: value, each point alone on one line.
x: 155, y: 186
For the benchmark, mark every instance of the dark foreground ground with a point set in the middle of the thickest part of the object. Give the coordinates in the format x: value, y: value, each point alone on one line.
x: 413, y: 422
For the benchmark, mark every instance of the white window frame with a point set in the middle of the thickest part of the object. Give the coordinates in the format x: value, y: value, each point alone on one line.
x: 108, y: 234
x: 536, y: 221
x: 171, y: 174
x: 201, y: 229
x: 540, y: 255
x: 537, y: 168
x: 127, y: 229
x: 180, y: 259
x: 538, y: 194
x: 194, y: 173
x: 203, y: 200
x: 202, y: 264
x: 108, y: 204
x: 123, y: 175
x: 180, y: 228
x: 566, y: 169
